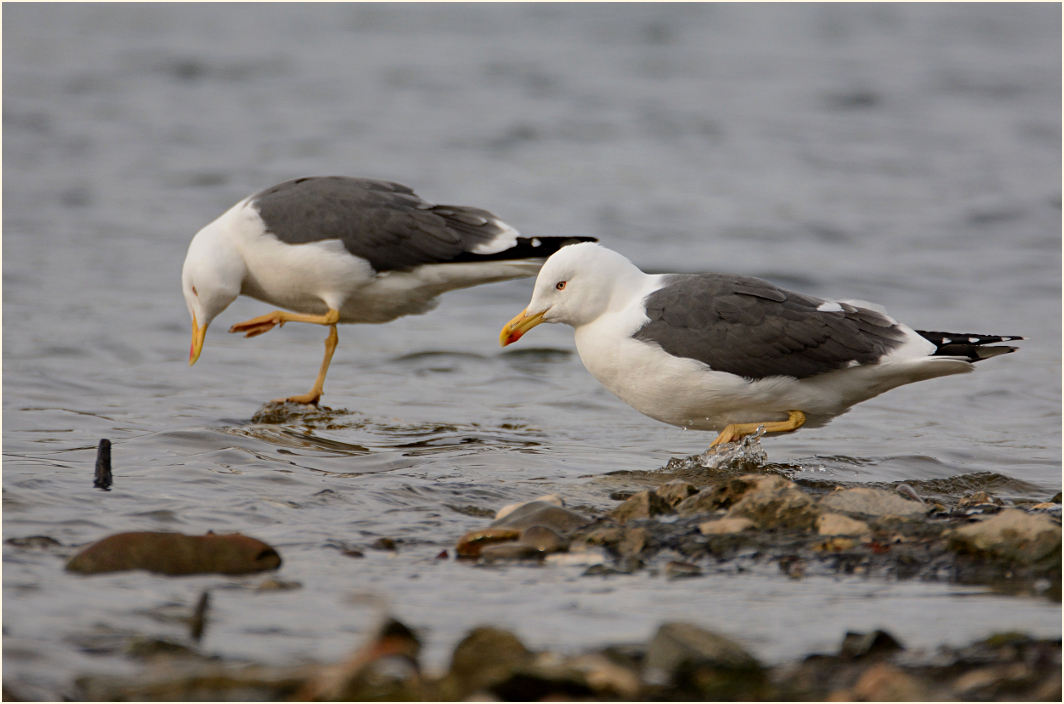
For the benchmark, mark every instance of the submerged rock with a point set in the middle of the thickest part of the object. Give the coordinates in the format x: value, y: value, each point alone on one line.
x: 175, y: 554
x: 471, y: 544
x: 510, y: 508
x: 872, y: 502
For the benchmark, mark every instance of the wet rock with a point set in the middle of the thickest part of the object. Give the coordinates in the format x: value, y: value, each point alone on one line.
x: 179, y: 681
x: 509, y: 551
x: 385, y: 668
x: 645, y: 504
x: 607, y: 678
x: 1012, y: 534
x: 470, y: 544
x: 633, y: 542
x: 693, y: 662
x: 1056, y: 499
x: 176, y: 554
x: 769, y: 501
x: 34, y: 542
x: 704, y: 501
x: 678, y: 570
x: 979, y: 498
x: 605, y: 534
x: 676, y: 491
x: 726, y: 526
x: 506, y: 510
x: 485, y: 657
x: 384, y: 544
x: 838, y: 524
x: 577, y: 559
x: 276, y: 585
x: 542, y: 539
x: 871, y: 502
x: 883, y: 682
x: 542, y: 513
x: 855, y: 645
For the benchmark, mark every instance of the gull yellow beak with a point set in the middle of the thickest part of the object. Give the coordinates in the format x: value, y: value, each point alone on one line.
x: 513, y: 330
x: 198, y: 334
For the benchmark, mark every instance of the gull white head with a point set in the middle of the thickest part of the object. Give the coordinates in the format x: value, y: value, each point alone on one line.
x: 575, y: 286
x: 210, y: 279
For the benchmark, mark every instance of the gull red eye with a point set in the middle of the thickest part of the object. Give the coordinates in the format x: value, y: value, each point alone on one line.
x: 560, y: 285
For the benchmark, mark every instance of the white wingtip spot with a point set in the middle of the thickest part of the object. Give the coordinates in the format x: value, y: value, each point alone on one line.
x: 829, y: 307
x: 536, y: 242
x: 946, y: 340
x: 973, y: 339
x: 501, y: 242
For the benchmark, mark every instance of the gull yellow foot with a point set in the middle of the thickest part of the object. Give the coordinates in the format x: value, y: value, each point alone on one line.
x: 737, y: 431
x: 312, y: 396
x: 265, y: 323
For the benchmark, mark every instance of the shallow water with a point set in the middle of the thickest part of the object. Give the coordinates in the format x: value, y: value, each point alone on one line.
x: 906, y: 155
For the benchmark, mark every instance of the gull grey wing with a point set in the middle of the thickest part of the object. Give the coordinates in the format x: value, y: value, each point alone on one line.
x: 383, y: 222
x: 754, y: 329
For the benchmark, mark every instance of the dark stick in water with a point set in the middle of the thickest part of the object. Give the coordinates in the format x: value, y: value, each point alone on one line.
x: 199, y: 617
x: 103, y: 466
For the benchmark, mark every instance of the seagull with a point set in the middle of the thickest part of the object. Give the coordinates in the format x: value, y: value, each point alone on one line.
x: 336, y: 249
x: 733, y: 353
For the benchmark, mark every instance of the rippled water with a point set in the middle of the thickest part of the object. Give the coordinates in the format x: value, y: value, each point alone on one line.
x: 907, y: 155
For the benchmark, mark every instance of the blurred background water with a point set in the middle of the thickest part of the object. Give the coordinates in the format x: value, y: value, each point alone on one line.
x: 908, y: 155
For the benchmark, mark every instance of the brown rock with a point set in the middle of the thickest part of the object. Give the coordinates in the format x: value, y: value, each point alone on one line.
x: 470, y: 544
x: 772, y: 502
x: 1012, y: 534
x: 509, y: 551
x: 486, y: 656
x: 633, y: 542
x: 704, y: 501
x: 384, y: 669
x: 725, y: 526
x: 175, y: 554
x: 872, y: 502
x: 645, y: 504
x: 884, y: 682
x: 837, y: 524
x: 676, y: 491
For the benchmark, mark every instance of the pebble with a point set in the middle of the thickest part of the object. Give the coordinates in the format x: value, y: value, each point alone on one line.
x: 770, y: 502
x: 580, y: 559
x: 542, y: 539
x: 470, y: 544
x: 703, y: 665
x: 509, y: 551
x: 678, y: 570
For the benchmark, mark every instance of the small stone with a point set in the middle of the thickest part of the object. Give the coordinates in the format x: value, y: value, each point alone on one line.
x: 1012, y: 534
x: 384, y: 544
x: 542, y: 513
x: 1043, y: 506
x: 645, y: 504
x: 1056, y: 499
x: 34, y: 542
x: 351, y: 552
x: 678, y: 570
x: 676, y: 491
x: 837, y: 524
x: 485, y: 657
x: 871, y: 502
x: 608, y: 535
x: 470, y: 544
x: 506, y: 510
x: 443, y: 555
x: 908, y: 492
x: 542, y: 539
x: 726, y: 526
x: 385, y: 668
x: 577, y: 559
x: 606, y: 677
x: 979, y: 498
x: 275, y: 585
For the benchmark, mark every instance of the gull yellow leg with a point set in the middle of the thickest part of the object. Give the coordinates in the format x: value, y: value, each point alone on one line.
x: 738, y: 430
x: 265, y: 323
